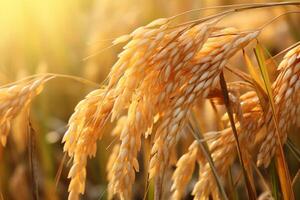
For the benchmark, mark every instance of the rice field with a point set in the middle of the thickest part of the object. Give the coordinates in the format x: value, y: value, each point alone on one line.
x: 107, y: 99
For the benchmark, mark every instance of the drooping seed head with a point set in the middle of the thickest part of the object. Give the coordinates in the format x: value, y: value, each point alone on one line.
x: 15, y: 98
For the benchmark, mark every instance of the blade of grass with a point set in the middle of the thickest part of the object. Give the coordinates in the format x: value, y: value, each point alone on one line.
x: 150, y: 190
x: 250, y: 190
x: 198, y: 136
x: 33, y: 166
x: 270, y: 62
x: 60, y: 169
x: 296, y: 177
x: 282, y: 168
x: 274, y: 181
x: 252, y: 70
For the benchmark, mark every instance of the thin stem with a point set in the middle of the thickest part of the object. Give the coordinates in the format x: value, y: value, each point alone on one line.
x: 51, y: 76
x: 250, y: 190
x: 218, y: 7
x: 296, y: 177
x: 239, y: 9
x: 276, y: 18
x: 78, y: 79
x: 283, y: 51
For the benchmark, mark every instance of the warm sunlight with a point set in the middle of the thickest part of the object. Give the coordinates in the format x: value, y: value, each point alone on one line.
x: 149, y: 99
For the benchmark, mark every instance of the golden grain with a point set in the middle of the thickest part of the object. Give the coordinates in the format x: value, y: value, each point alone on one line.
x: 209, y: 67
x: 160, y: 75
x: 15, y: 98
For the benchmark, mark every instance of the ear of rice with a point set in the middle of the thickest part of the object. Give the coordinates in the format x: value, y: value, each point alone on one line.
x: 154, y: 52
x: 84, y: 130
x: 184, y: 171
x: 113, y: 156
x: 144, y: 107
x: 15, y: 98
x: 209, y: 62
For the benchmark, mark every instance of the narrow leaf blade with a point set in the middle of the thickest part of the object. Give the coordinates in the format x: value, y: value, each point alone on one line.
x: 282, y: 168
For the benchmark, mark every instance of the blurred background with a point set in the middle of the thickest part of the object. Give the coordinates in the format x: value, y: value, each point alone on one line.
x: 67, y: 37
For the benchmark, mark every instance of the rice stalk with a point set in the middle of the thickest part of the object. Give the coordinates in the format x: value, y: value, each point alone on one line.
x: 33, y: 164
x: 80, y: 139
x: 285, y: 96
x: 250, y: 189
x: 160, y: 75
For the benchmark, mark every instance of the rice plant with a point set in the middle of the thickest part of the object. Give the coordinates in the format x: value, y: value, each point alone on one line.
x: 170, y: 77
